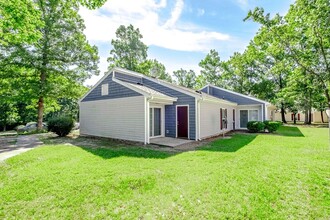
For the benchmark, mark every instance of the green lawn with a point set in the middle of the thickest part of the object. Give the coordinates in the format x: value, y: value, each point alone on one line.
x: 248, y: 176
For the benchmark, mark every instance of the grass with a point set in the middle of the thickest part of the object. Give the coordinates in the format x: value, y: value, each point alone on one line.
x: 248, y: 176
x: 291, y: 131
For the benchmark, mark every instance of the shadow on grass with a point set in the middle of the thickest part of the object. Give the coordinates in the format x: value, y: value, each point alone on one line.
x: 230, y: 145
x: 107, y: 148
x: 290, y: 131
x: 138, y: 152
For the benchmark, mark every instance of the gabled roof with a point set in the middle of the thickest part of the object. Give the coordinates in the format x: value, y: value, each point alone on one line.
x: 185, y: 90
x: 182, y: 89
x: 146, y: 91
x: 236, y: 93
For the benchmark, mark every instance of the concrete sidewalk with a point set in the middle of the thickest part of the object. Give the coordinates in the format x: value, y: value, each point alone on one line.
x: 23, y: 144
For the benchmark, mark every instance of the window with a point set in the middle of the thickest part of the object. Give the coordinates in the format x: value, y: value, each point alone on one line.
x: 155, y: 122
x: 105, y: 89
x: 253, y: 115
x: 248, y: 115
x: 223, y: 118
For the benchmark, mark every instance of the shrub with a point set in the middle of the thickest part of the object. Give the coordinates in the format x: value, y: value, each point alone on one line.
x: 272, y: 126
x: 61, y: 125
x: 255, y: 126
x: 279, y: 122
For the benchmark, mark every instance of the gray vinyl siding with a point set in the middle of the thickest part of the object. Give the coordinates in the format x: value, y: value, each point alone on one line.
x: 170, y: 110
x: 128, y: 78
x: 240, y: 100
x: 115, y: 91
x: 204, y: 90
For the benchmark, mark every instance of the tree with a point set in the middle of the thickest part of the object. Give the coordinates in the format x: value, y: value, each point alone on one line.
x: 155, y: 69
x: 273, y: 68
x: 58, y: 62
x: 128, y: 49
x: 304, y: 33
x: 8, y: 114
x: 237, y: 74
x: 185, y: 78
x: 19, y: 22
x: 212, y: 68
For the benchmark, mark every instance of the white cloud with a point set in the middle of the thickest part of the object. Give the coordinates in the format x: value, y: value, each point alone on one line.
x: 168, y: 33
x: 175, y: 15
x: 243, y: 4
x: 200, y: 12
x: 144, y: 14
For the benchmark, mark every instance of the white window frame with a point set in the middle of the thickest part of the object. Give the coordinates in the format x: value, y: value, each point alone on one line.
x: 224, y: 116
x: 162, y: 121
x: 253, y: 110
x: 248, y: 116
x: 105, y: 89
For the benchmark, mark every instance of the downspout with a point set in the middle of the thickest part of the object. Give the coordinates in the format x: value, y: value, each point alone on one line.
x: 196, y: 119
x: 147, y: 119
x: 199, y: 118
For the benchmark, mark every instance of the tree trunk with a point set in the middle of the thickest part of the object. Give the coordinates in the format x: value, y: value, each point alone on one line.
x: 327, y: 95
x: 283, y: 114
x: 306, y: 116
x: 40, y: 112
x: 41, y: 101
x: 322, y: 119
x: 310, y: 115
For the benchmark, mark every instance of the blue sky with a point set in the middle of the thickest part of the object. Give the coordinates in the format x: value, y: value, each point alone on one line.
x: 179, y: 33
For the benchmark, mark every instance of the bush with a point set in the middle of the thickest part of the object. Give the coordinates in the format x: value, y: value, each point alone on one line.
x: 61, y: 125
x: 272, y: 126
x: 255, y: 126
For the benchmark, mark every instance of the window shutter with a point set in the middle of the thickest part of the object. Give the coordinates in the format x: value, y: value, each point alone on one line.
x: 234, y: 119
x: 292, y: 116
x: 298, y: 116
x: 105, y: 89
x: 226, y: 118
x: 221, y: 119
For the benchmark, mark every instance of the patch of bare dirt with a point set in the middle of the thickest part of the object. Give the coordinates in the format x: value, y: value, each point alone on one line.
x: 100, y: 142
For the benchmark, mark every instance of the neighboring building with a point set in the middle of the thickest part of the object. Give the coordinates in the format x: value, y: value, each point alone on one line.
x: 289, y: 116
x: 316, y: 117
x: 300, y: 117
x: 131, y: 106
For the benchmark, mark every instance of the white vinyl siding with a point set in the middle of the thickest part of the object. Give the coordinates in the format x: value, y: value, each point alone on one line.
x: 105, y: 89
x: 122, y: 118
x: 210, y: 119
